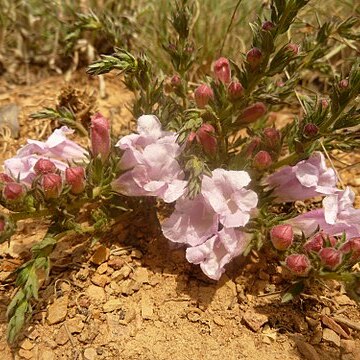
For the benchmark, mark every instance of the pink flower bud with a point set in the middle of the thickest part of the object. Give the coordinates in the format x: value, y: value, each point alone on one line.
x: 44, y: 166
x: 51, y: 185
x: 272, y: 137
x: 282, y: 236
x: 175, y: 81
x: 262, y: 160
x: 253, y: 146
x: 267, y: 26
x: 203, y: 94
x: 324, y: 104
x: 5, y: 178
x: 330, y: 257
x: 206, y: 137
x: 293, y: 48
x: 310, y: 130
x: 235, y: 90
x: 317, y: 242
x: 352, y: 246
x: 13, y: 191
x: 298, y: 264
x: 252, y: 113
x: 254, y: 57
x: 75, y: 177
x: 222, y: 70
x: 343, y: 84
x: 100, y: 136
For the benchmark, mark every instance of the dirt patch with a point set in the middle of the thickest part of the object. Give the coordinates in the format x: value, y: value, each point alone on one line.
x: 134, y: 296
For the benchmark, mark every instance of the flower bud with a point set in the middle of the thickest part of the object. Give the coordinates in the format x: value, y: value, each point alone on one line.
x: 267, y: 26
x: 206, y: 137
x: 352, y: 246
x: 310, y: 130
x: 262, y: 160
x: 5, y: 178
x: 272, y: 137
x: 324, y: 104
x: 75, y: 177
x: 13, y: 191
x: 44, y: 166
x: 293, y: 48
x: 298, y: 264
x: 254, y: 57
x: 2, y: 225
x: 100, y: 136
x: 203, y: 94
x: 175, y: 81
x: 235, y: 90
x: 343, y: 84
x: 252, y: 113
x: 317, y: 242
x: 253, y: 146
x: 330, y: 257
x: 282, y: 236
x: 222, y: 70
x: 51, y: 185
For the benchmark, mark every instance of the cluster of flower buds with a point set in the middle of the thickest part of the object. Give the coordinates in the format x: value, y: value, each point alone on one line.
x: 222, y: 74
x: 319, y: 252
x: 264, y: 148
x: 51, y: 182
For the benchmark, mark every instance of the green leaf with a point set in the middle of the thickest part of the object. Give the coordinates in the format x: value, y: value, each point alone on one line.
x: 17, y: 321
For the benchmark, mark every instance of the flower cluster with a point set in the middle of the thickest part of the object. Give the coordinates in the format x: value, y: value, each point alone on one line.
x: 208, y: 224
x: 57, y: 148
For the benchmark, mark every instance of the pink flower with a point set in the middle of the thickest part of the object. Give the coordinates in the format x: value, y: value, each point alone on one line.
x: 226, y: 193
x: 100, y: 136
x: 216, y: 252
x: 192, y: 222
x: 56, y: 148
x: 222, y: 70
x: 337, y: 216
x: 150, y: 160
x: 149, y: 132
x: 306, y: 179
x: 158, y: 174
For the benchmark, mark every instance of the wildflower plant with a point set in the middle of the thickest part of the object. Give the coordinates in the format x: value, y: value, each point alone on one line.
x: 204, y: 143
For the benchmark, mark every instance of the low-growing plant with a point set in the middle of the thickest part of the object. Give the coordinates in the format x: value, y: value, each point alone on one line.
x: 209, y: 148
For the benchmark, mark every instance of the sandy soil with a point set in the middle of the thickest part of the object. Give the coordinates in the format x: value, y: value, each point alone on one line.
x: 133, y: 296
